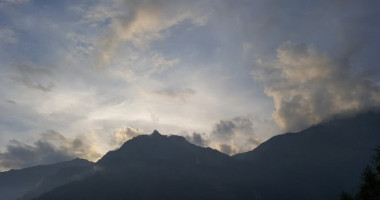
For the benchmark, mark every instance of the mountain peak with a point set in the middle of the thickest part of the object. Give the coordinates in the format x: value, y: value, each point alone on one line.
x: 156, y: 133
x: 155, y: 149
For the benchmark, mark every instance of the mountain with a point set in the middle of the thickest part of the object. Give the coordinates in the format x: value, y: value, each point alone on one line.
x: 161, y: 167
x: 15, y: 183
x: 62, y: 176
x: 317, y: 163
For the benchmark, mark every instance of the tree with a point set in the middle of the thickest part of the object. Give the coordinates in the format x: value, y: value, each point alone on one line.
x: 377, y: 161
x: 370, y: 188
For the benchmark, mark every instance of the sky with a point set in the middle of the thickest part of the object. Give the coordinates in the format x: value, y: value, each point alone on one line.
x: 80, y: 77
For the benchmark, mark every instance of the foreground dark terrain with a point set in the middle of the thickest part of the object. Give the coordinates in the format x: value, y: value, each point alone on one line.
x: 317, y: 163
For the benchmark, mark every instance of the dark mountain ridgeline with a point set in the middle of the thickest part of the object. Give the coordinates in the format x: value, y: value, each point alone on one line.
x: 15, y: 183
x: 161, y: 167
x: 61, y: 177
x: 318, y: 163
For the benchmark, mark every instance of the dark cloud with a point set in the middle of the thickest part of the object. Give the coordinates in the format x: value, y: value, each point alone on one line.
x: 33, y: 77
x: 224, y: 129
x: 37, y: 86
x: 10, y: 101
x: 197, y: 139
x: 235, y: 135
x: 50, y: 148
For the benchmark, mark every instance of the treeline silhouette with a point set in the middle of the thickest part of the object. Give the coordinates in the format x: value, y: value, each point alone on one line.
x: 370, y: 188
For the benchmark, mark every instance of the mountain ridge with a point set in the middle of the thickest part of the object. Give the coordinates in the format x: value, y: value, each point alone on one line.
x: 161, y: 167
x: 332, y: 154
x: 316, y: 163
x: 16, y: 182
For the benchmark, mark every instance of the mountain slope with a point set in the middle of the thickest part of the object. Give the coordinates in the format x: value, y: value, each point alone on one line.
x: 15, y: 183
x: 157, y: 149
x: 161, y: 167
x: 319, y: 162
x: 62, y: 176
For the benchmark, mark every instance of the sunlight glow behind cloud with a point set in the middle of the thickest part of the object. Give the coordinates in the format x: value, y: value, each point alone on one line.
x: 93, y: 68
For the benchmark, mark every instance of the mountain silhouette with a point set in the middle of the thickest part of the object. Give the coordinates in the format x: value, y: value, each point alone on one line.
x: 15, y: 183
x: 64, y: 175
x: 161, y: 167
x: 317, y: 163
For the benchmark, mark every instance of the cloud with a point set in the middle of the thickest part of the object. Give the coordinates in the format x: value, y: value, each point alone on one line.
x: 145, y: 21
x: 224, y: 129
x: 95, y: 14
x: 176, y: 93
x: 7, y: 36
x: 227, y: 149
x: 235, y: 135
x: 33, y: 77
x: 15, y: 1
x: 308, y: 86
x: 124, y: 134
x: 10, y: 101
x: 165, y: 67
x: 12, y: 2
x: 161, y: 64
x: 50, y: 148
x: 197, y: 139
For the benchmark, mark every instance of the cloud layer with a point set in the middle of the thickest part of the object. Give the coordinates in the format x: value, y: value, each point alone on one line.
x: 52, y: 147
x: 308, y: 86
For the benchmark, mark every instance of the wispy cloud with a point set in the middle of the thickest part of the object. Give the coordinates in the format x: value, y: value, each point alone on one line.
x: 12, y: 2
x: 33, y: 77
x: 15, y: 1
x: 144, y: 22
x: 161, y: 64
x: 7, y: 36
x: 177, y: 93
